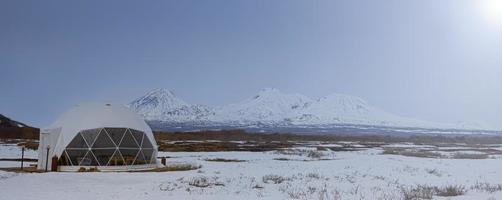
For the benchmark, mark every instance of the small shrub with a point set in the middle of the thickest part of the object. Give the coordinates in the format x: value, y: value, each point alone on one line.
x: 201, y: 181
x: 427, y: 192
x: 314, y: 175
x: 450, y: 190
x: 417, y: 192
x: 93, y: 169
x: 271, y: 178
x: 297, y: 193
x: 314, y: 154
x: 487, y: 187
x: 333, y: 195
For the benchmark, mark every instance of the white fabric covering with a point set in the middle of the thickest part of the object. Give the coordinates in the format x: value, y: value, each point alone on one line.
x: 83, y: 117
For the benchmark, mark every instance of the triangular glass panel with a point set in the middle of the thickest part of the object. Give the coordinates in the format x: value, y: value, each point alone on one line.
x: 78, y: 142
x: 129, y: 155
x: 148, y: 155
x: 116, y: 134
x: 140, y: 160
x: 147, y: 143
x: 103, y: 141
x: 138, y: 135
x: 76, y: 155
x: 64, y: 159
x: 88, y: 160
x: 128, y: 141
x: 103, y: 155
x: 116, y: 159
x: 90, y: 135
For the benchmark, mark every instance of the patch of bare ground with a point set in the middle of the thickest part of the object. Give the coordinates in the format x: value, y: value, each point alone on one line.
x: 411, y: 152
x: 25, y: 170
x: 469, y: 156
x: 460, y: 153
x: 367, y: 140
x: 220, y: 146
x: 224, y: 160
x: 239, y: 140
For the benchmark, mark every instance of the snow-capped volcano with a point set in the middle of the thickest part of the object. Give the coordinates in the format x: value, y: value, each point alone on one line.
x: 268, y: 105
x: 271, y: 107
x: 163, y: 105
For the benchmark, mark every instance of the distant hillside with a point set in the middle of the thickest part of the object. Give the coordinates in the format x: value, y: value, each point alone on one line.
x: 16, y: 130
x: 273, y: 109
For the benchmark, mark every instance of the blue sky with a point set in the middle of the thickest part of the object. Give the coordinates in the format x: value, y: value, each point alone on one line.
x: 432, y: 60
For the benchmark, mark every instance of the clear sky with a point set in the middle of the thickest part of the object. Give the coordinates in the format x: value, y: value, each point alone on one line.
x: 428, y: 59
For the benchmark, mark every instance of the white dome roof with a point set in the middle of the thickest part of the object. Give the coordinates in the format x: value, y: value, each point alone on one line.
x: 91, y: 116
x: 98, y: 115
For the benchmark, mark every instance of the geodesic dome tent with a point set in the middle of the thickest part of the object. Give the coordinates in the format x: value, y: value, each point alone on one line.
x: 108, y: 137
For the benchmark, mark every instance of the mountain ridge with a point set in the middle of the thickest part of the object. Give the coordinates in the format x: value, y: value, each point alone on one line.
x: 271, y: 107
x: 13, y: 129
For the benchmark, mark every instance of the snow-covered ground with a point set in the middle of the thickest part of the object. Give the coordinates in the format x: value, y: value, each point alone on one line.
x: 364, y: 174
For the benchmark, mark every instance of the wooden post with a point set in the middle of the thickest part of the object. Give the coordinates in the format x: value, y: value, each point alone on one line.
x: 163, y: 161
x: 47, y: 157
x: 54, y: 164
x: 22, y: 158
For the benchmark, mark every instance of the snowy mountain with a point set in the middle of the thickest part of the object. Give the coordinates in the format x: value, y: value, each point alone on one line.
x: 16, y: 130
x: 163, y: 105
x: 6, y: 122
x: 270, y: 107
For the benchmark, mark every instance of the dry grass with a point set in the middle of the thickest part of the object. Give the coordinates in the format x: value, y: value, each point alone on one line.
x: 315, y: 154
x: 411, y: 152
x: 428, y: 192
x: 417, y: 192
x: 301, y: 152
x: 211, y: 146
x: 487, y: 187
x: 203, y: 182
x: 241, y: 135
x: 272, y: 178
x: 450, y: 190
x: 200, y: 182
